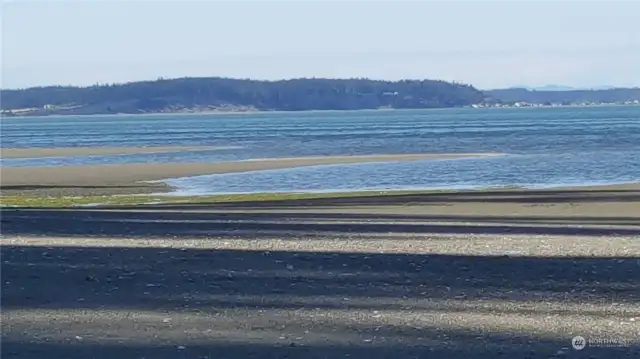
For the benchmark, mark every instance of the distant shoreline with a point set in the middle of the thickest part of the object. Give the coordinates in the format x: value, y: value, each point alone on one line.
x: 224, y: 113
x: 263, y: 112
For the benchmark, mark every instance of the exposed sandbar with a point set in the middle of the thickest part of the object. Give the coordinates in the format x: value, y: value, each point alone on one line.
x: 127, y: 178
x: 88, y: 151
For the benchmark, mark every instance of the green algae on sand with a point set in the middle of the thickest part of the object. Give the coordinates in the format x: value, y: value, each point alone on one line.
x: 132, y: 200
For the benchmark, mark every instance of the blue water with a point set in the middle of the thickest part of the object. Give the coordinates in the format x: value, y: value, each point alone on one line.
x: 543, y: 146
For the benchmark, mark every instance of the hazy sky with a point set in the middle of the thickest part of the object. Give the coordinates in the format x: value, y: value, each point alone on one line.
x: 488, y: 44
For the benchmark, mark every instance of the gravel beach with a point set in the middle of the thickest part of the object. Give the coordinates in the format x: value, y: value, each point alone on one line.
x: 513, y: 274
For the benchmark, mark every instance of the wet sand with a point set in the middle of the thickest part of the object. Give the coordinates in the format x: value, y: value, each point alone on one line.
x: 88, y: 151
x: 486, y: 274
x: 128, y: 178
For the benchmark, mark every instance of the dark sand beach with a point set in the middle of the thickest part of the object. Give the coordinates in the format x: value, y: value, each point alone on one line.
x: 477, y: 274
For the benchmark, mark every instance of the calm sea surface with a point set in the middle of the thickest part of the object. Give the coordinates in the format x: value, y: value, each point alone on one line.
x: 542, y: 146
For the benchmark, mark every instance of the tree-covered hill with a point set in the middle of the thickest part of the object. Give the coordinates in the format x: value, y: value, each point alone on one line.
x: 185, y: 94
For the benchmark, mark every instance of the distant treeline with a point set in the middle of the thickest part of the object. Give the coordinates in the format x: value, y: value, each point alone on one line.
x: 617, y: 95
x: 168, y: 95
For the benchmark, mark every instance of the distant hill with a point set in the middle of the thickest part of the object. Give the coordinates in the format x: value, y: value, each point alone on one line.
x: 226, y: 94
x: 615, y: 95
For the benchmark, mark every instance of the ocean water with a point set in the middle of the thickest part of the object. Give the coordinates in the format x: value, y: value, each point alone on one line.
x: 542, y: 147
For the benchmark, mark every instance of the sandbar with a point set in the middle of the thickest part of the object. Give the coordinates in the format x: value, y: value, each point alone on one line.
x: 88, y: 151
x: 132, y: 178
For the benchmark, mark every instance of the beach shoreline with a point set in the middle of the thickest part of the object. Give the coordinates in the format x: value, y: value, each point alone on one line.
x: 177, y: 191
x: 146, y: 178
x: 159, y: 179
x: 252, y: 112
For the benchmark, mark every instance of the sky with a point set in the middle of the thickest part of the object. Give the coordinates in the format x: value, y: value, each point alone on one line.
x: 489, y: 44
